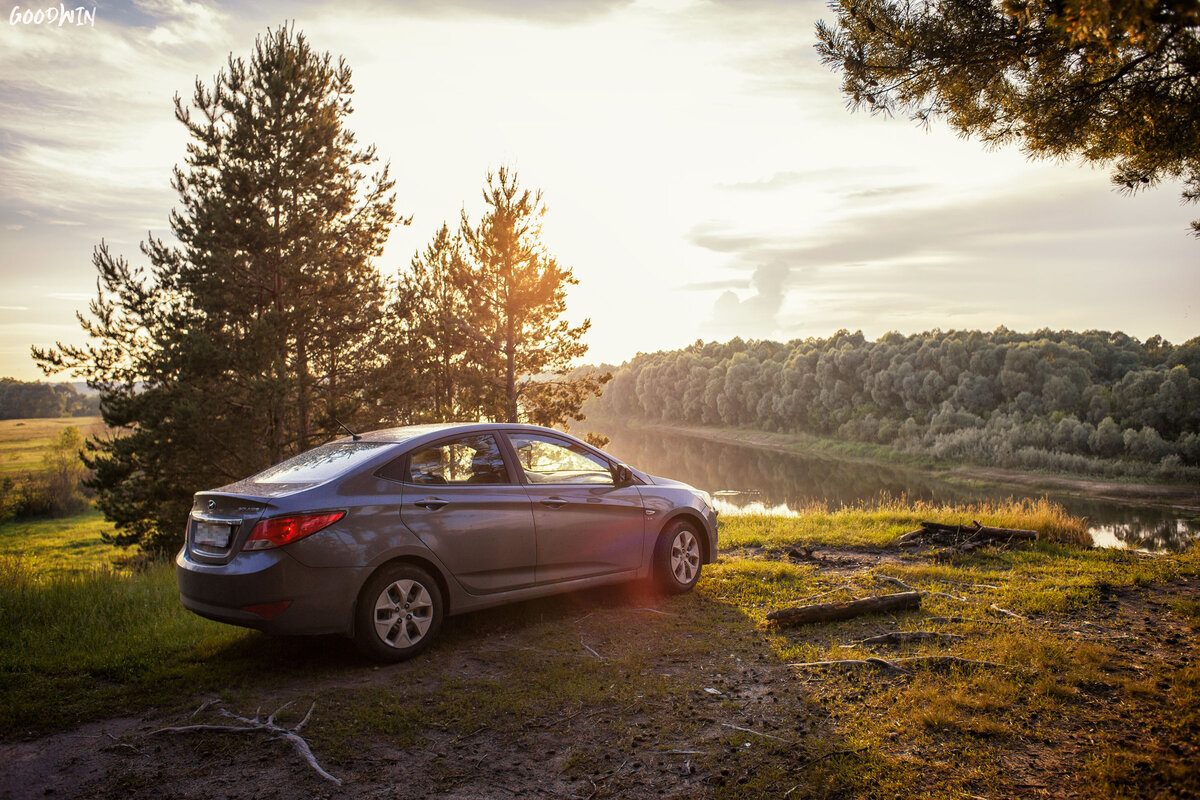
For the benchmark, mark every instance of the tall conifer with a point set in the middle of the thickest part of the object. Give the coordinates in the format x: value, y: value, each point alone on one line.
x: 521, y: 348
x: 246, y: 340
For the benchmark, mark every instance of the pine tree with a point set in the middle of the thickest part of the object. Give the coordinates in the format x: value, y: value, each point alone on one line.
x: 250, y: 337
x: 520, y: 349
x: 429, y: 373
x: 1113, y: 81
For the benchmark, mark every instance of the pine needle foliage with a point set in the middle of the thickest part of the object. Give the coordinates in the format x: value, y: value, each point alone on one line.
x: 249, y: 336
x: 1116, y: 82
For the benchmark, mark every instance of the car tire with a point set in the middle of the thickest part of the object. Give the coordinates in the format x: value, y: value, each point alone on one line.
x: 399, y: 613
x: 677, y: 557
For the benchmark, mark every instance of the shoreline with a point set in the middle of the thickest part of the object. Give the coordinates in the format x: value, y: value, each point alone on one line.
x: 1176, y: 496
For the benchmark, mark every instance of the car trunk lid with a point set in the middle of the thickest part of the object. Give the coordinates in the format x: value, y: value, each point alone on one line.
x: 219, y: 524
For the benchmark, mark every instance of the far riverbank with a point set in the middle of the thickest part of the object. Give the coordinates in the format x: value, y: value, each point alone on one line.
x: 1182, y: 497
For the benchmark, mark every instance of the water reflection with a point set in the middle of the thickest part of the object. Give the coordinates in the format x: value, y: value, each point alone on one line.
x: 1169, y: 535
x: 745, y: 479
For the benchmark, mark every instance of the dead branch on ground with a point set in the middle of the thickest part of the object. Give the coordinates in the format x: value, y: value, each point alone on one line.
x: 256, y: 725
x: 590, y: 650
x: 907, y: 588
x: 1004, y: 611
x: 833, y: 612
x: 903, y: 637
x: 898, y: 664
x: 964, y: 537
x: 756, y: 733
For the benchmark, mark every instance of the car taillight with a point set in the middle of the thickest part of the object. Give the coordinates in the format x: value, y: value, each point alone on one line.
x: 279, y: 531
x: 268, y: 610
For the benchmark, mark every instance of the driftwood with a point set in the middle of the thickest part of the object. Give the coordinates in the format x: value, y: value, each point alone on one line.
x: 964, y: 537
x: 832, y: 612
x: 257, y: 725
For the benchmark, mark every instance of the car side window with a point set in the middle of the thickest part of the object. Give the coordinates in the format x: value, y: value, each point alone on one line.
x: 468, y: 460
x: 547, y: 460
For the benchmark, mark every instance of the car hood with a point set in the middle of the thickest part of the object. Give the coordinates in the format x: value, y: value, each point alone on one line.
x: 660, y: 481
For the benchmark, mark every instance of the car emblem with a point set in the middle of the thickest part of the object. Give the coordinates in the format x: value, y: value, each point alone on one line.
x: 212, y: 504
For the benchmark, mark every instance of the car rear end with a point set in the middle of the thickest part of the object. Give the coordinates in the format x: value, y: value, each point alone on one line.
x: 235, y: 568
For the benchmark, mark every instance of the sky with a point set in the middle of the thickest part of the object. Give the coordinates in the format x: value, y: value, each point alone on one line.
x: 703, y: 174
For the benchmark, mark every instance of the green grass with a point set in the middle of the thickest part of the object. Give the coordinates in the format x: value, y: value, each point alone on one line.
x: 82, y: 640
x: 882, y: 524
x: 24, y: 442
x: 962, y: 725
x: 51, y: 548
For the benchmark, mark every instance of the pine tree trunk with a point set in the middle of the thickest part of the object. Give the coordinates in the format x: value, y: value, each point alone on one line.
x: 275, y: 443
x: 510, y: 378
x: 302, y: 388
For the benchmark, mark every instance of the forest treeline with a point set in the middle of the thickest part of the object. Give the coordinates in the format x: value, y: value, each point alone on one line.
x: 35, y: 400
x: 1093, y: 402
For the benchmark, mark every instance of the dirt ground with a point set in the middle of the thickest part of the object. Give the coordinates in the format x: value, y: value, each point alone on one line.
x: 708, y: 713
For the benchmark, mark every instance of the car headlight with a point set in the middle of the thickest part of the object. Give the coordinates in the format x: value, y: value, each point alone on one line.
x: 703, y: 497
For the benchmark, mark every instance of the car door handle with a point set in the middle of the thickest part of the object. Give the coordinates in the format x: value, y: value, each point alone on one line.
x: 431, y: 503
x: 553, y: 502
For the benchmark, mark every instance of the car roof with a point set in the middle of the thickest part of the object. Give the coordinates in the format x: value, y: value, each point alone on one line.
x: 407, y: 433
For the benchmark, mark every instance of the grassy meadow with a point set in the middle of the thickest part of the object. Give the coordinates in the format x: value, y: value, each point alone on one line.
x: 1077, y: 672
x: 23, y: 442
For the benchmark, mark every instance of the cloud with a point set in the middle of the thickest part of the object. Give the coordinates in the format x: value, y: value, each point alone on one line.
x: 179, y: 23
x: 756, y: 315
x: 886, y: 191
x: 1020, y: 259
x: 701, y: 286
x: 554, y: 12
x: 780, y: 180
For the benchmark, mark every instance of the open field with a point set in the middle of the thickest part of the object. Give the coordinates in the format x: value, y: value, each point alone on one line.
x: 1092, y: 690
x: 55, y: 548
x: 23, y: 442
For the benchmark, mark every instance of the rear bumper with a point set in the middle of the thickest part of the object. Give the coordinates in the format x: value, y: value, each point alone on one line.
x: 321, y: 600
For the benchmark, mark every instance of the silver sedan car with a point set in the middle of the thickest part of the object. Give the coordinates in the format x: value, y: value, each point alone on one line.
x: 380, y: 536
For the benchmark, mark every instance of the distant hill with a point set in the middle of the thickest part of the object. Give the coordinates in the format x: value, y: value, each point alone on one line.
x: 37, y: 400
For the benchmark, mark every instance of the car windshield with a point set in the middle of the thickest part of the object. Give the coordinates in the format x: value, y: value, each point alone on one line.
x: 320, y: 464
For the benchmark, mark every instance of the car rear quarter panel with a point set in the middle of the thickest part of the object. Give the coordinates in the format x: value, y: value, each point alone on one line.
x: 370, y: 535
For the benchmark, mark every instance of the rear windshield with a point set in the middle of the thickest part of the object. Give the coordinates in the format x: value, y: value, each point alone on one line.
x: 321, y: 464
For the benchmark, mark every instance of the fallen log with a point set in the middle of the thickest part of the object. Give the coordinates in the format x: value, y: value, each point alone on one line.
x: 976, y: 531
x: 832, y: 612
x: 963, y: 538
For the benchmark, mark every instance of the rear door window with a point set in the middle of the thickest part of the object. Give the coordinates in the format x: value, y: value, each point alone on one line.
x: 471, y: 459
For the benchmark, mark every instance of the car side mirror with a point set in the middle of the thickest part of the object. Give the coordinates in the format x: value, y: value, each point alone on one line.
x: 622, y: 476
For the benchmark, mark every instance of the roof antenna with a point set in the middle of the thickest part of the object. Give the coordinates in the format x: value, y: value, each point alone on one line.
x: 356, y: 437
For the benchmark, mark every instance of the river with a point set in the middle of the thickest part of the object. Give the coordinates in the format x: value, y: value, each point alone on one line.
x: 747, y: 478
